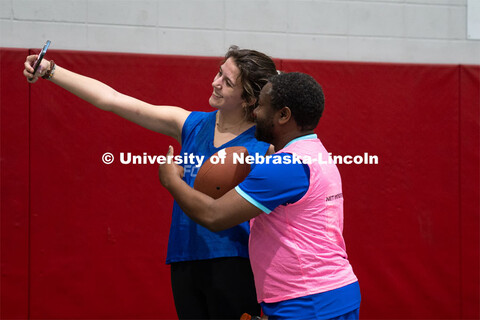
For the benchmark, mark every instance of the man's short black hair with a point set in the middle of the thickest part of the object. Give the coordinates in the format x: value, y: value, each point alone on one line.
x: 302, y: 94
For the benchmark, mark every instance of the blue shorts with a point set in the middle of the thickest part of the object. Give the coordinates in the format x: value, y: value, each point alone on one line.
x: 339, y: 304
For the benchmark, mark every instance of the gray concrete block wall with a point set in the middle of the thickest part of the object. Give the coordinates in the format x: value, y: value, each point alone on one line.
x: 417, y: 31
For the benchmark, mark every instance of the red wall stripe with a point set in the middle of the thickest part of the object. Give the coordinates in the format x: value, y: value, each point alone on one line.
x: 99, y: 232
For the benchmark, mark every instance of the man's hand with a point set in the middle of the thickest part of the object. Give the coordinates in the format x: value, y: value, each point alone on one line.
x: 169, y: 171
x: 214, y: 214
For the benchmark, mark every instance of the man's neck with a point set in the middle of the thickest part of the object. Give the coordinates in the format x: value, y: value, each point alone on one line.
x: 283, y: 140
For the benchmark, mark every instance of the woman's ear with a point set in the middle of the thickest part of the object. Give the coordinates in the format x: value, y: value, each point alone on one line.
x: 251, y: 101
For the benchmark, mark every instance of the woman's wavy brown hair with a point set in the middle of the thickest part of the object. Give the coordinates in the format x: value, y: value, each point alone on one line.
x: 255, y: 69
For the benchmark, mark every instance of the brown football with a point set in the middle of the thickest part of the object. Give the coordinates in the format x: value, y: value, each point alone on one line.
x: 217, y: 179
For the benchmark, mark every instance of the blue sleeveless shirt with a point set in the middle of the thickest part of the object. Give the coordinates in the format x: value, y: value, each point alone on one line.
x: 188, y: 240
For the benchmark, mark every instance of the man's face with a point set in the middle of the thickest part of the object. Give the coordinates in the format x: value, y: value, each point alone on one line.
x: 264, y: 114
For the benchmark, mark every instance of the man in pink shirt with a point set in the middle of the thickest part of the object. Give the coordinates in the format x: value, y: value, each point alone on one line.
x: 294, y: 202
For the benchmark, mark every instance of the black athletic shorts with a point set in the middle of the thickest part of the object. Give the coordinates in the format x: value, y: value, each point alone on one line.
x: 221, y: 288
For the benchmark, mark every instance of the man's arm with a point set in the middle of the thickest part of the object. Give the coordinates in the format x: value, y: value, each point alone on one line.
x: 214, y: 214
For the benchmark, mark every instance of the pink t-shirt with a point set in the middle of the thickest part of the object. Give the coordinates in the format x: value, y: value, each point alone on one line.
x: 298, y: 249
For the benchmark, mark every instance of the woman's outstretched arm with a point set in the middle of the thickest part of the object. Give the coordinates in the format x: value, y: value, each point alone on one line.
x: 167, y: 120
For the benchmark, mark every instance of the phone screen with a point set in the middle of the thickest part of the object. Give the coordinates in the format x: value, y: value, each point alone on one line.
x: 40, y: 56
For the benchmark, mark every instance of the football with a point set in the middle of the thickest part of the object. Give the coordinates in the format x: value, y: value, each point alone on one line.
x: 216, y: 179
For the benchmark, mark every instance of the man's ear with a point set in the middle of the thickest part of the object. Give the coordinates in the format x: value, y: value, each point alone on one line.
x: 285, y: 115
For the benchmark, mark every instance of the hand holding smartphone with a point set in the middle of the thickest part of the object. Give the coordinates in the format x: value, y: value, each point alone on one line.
x: 40, y: 57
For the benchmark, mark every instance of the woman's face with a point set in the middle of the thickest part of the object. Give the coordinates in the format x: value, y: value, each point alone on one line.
x: 227, y: 88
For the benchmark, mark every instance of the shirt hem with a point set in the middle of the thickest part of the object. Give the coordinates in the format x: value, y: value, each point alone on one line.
x: 251, y: 200
x: 186, y: 259
x: 305, y: 293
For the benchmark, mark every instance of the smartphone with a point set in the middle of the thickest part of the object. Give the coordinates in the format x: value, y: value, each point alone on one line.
x: 40, y: 56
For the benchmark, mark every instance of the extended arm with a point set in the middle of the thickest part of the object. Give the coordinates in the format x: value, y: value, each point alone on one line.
x: 214, y: 214
x: 167, y: 120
